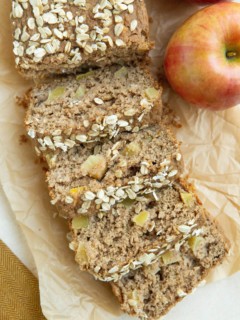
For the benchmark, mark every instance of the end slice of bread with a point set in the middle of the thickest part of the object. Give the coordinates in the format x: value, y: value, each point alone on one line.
x: 60, y: 36
x: 136, y: 233
x: 150, y: 292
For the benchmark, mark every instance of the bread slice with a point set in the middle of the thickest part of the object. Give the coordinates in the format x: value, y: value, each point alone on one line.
x: 136, y: 233
x: 151, y: 291
x: 86, y: 108
x: 56, y: 37
x: 95, y: 177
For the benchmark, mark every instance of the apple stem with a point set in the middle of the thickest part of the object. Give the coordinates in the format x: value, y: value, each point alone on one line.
x: 231, y: 54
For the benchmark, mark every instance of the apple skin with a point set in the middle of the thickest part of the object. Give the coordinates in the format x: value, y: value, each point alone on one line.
x: 202, y: 59
x: 204, y: 1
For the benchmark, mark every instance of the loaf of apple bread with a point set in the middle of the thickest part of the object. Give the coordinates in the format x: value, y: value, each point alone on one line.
x: 59, y: 36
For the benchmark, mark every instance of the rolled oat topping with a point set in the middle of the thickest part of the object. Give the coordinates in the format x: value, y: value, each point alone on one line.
x: 70, y: 33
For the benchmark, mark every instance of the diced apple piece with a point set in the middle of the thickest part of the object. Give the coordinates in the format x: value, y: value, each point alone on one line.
x: 81, y: 255
x: 128, y: 202
x: 56, y: 93
x: 95, y: 166
x: 80, y: 222
x: 187, y: 198
x: 84, y: 75
x: 132, y: 149
x: 196, y: 243
x: 80, y: 92
x: 133, y: 298
x: 121, y: 73
x: 78, y: 191
x: 170, y: 257
x: 141, y: 218
x: 152, y: 93
x: 118, y: 173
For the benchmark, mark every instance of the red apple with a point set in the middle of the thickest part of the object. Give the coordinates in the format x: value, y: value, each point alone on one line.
x: 204, y: 1
x: 202, y: 60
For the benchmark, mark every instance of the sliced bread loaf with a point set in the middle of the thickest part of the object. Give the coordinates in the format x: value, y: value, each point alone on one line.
x: 95, y: 177
x: 151, y: 291
x: 60, y: 36
x: 136, y: 232
x: 86, y: 108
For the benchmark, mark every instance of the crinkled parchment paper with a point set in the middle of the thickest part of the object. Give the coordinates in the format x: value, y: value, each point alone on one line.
x: 211, y: 150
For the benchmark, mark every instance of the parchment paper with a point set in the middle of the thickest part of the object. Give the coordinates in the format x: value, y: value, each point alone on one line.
x: 211, y: 152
